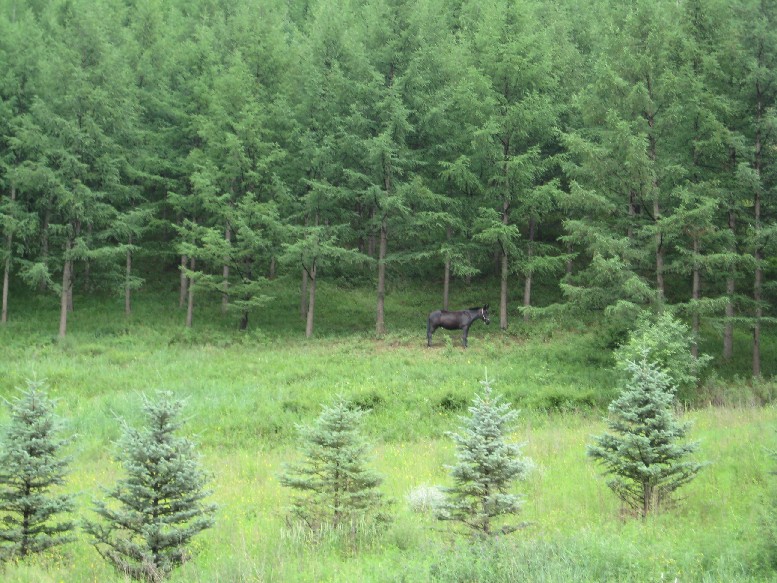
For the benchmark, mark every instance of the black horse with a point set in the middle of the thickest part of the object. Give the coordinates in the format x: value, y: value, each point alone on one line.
x: 460, y: 320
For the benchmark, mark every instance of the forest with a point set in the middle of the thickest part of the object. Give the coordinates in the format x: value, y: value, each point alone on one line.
x: 616, y: 156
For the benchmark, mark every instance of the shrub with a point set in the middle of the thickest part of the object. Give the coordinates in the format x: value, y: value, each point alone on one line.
x: 666, y: 342
x: 31, y: 464
x: 159, y: 506
x: 426, y: 498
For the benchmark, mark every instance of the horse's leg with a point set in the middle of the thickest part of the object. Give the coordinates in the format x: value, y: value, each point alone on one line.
x: 429, y: 332
x: 464, y: 336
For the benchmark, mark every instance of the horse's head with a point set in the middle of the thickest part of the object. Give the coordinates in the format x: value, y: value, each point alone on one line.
x: 484, y: 314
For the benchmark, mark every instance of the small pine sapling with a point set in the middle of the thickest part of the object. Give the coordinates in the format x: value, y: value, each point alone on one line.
x: 31, y: 465
x: 643, y: 453
x: 333, y: 483
x: 158, y: 508
x: 487, y: 465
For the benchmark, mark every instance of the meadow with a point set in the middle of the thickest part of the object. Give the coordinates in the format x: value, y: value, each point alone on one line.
x: 246, y: 392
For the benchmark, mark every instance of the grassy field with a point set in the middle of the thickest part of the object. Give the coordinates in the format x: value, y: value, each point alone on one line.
x: 247, y: 391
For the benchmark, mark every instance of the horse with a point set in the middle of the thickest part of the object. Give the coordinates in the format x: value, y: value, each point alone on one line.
x: 460, y: 320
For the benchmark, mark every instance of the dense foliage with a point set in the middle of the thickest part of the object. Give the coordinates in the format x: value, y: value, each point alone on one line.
x: 247, y: 392
x: 623, y: 153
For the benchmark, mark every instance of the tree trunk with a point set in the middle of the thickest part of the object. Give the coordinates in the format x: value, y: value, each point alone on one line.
x: 6, y: 281
x: 660, y: 285
x: 273, y: 267
x: 652, y: 154
x: 311, y: 302
x: 505, y: 273
x: 249, y: 274
x: 728, y: 331
x: 184, y: 283
x: 70, y: 290
x: 303, y: 296
x: 7, y: 266
x: 446, y: 284
x: 190, y: 302
x: 503, y: 295
x: 371, y: 239
x: 77, y: 231
x: 380, y: 327
x: 528, y: 275
x: 303, y: 288
x: 225, y: 274
x: 647, y: 499
x: 757, y: 252
x: 86, y: 277
x: 44, y: 245
x: 127, y: 286
x: 757, y: 287
x: 696, y: 296
x: 67, y: 284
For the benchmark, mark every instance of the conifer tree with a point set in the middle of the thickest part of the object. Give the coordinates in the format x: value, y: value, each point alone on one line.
x: 333, y: 482
x: 31, y: 465
x: 155, y: 511
x: 487, y: 466
x: 642, y: 452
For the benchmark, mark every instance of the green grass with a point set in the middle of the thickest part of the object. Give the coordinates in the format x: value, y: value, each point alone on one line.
x: 247, y: 391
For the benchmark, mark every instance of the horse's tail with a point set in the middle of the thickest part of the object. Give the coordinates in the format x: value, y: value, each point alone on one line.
x: 431, y: 324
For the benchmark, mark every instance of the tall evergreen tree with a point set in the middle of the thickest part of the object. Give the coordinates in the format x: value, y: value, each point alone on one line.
x: 702, y: 225
x: 756, y: 173
x: 32, y: 468
x: 446, y: 97
x: 20, y: 54
x: 513, y: 143
x: 622, y: 178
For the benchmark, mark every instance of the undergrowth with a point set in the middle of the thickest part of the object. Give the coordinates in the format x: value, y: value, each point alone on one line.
x: 247, y: 391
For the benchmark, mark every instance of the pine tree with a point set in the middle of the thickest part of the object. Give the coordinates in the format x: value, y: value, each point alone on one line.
x: 159, y: 506
x: 333, y: 483
x: 642, y: 453
x: 487, y: 465
x: 31, y: 465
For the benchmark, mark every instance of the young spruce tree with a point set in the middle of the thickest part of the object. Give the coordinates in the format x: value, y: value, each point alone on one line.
x: 31, y: 465
x: 487, y: 465
x: 334, y: 485
x: 158, y: 508
x: 642, y: 453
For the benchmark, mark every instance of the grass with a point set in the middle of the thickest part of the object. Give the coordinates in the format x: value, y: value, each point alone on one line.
x: 247, y: 391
